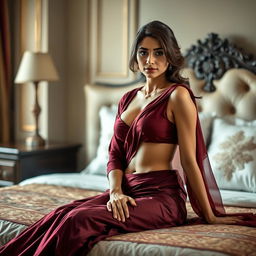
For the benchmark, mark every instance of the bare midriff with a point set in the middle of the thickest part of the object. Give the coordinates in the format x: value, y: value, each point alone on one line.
x: 152, y: 157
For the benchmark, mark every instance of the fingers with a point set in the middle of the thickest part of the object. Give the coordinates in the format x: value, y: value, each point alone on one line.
x: 116, y: 210
x: 228, y: 220
x: 132, y: 201
x: 119, y: 208
x: 231, y: 221
x: 238, y: 219
x: 109, y: 206
x: 234, y: 220
x: 116, y: 214
x: 125, y: 208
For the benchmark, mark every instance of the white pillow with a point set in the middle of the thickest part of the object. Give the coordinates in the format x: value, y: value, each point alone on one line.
x: 206, y: 119
x: 107, y: 118
x: 232, y: 154
x: 238, y: 121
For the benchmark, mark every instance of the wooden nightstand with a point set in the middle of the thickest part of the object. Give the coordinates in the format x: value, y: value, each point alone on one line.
x: 17, y: 162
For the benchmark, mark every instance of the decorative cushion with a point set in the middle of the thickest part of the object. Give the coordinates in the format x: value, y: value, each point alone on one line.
x: 99, y: 163
x: 232, y: 154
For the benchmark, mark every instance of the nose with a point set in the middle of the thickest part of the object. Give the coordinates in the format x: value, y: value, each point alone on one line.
x: 150, y: 58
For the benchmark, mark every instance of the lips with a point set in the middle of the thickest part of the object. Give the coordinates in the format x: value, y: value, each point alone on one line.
x: 150, y: 69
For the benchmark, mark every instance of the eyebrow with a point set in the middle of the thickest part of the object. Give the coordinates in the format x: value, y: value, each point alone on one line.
x: 146, y: 49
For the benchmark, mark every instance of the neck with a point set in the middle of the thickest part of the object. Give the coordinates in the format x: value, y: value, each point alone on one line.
x: 154, y: 84
x: 153, y: 87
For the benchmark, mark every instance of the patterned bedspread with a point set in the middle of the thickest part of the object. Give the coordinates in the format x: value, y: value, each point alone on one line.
x: 26, y: 204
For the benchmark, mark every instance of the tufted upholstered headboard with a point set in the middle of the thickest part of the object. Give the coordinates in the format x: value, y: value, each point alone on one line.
x: 234, y: 92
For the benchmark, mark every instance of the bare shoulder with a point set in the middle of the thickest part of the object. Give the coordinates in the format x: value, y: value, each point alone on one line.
x: 180, y: 95
x: 182, y: 107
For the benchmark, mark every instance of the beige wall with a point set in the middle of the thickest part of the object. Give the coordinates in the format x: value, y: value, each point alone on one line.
x: 113, y: 25
x: 78, y: 71
x: 69, y: 45
x: 194, y: 19
x: 58, y: 91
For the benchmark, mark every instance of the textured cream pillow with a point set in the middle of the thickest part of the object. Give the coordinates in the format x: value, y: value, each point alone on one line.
x: 107, y: 118
x: 232, y: 154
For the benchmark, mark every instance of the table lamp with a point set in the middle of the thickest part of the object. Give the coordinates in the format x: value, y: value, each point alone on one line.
x: 36, y: 67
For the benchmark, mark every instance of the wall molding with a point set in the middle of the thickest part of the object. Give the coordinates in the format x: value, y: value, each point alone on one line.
x: 111, y: 37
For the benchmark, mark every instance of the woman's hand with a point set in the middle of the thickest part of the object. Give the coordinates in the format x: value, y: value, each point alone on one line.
x: 229, y: 220
x: 117, y: 204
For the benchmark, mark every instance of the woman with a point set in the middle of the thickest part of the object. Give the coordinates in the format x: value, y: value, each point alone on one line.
x: 145, y: 193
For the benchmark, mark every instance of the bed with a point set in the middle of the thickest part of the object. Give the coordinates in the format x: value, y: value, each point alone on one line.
x: 225, y: 78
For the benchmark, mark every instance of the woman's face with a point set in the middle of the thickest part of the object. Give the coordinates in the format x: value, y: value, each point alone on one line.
x: 151, y: 58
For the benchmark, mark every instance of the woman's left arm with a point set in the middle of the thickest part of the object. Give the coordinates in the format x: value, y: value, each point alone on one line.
x: 185, y: 115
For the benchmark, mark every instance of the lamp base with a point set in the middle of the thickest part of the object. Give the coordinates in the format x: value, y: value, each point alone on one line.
x: 35, y: 141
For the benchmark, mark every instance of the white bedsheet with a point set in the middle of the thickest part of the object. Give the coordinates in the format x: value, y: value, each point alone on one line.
x: 100, y: 183
x: 78, y: 180
x: 238, y: 198
x: 9, y: 230
x: 117, y: 248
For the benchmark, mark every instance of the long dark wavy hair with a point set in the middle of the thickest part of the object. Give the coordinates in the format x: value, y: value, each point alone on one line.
x: 165, y: 36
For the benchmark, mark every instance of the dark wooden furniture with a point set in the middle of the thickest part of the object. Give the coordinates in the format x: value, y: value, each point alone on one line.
x: 18, y: 162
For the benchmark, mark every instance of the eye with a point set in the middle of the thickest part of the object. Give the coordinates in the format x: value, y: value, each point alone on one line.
x: 142, y: 53
x: 159, y: 53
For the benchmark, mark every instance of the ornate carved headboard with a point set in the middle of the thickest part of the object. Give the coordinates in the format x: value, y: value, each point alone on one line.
x: 224, y: 76
x: 213, y: 56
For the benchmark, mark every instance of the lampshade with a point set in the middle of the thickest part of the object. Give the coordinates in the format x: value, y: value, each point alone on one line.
x: 36, y: 66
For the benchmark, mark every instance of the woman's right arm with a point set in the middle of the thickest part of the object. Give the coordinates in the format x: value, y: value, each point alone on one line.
x: 117, y: 203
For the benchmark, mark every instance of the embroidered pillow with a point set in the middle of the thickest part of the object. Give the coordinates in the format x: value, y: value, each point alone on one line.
x: 99, y: 163
x: 232, y: 154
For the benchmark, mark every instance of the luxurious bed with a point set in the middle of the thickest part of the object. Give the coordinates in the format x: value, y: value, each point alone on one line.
x: 225, y: 78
